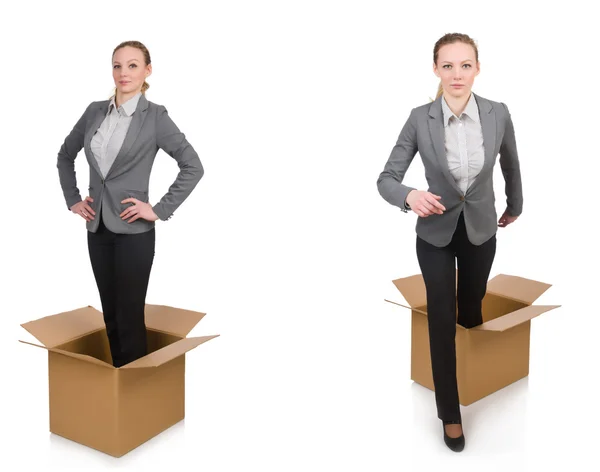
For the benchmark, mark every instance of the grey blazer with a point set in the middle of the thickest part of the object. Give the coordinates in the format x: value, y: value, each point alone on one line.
x: 151, y: 128
x: 424, y: 132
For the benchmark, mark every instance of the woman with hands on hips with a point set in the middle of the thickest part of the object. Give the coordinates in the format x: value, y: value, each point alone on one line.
x: 458, y: 137
x: 121, y: 137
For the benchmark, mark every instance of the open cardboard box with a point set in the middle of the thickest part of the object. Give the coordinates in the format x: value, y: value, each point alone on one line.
x: 110, y: 409
x: 489, y: 356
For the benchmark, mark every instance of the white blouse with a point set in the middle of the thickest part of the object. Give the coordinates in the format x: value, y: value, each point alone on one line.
x: 108, y: 139
x: 464, y: 143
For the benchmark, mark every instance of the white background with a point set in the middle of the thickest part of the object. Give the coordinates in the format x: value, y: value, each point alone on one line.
x: 286, y: 244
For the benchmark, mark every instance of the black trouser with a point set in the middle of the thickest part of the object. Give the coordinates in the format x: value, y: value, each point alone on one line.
x: 439, y: 272
x: 121, y: 265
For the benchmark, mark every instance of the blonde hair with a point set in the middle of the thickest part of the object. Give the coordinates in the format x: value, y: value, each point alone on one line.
x: 451, y: 38
x: 145, y: 52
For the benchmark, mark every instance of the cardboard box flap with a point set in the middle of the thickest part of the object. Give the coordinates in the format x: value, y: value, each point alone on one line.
x: 82, y: 357
x: 400, y: 304
x: 412, y: 289
x: 171, y: 320
x: 515, y: 318
x: 517, y: 288
x: 167, y: 353
x: 53, y: 330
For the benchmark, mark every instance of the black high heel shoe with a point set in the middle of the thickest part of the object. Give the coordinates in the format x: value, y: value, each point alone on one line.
x: 456, y: 444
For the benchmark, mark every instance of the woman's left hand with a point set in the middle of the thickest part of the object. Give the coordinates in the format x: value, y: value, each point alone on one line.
x: 506, y: 219
x: 139, y: 209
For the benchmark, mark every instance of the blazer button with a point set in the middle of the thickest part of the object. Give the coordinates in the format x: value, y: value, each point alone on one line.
x: 462, y: 199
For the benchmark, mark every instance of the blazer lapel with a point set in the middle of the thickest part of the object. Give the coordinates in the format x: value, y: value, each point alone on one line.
x: 487, y: 117
x: 438, y: 138
x: 96, y: 122
x: 133, y: 131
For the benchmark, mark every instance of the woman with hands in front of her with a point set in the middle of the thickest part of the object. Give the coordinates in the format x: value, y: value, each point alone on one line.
x: 458, y: 137
x: 425, y: 203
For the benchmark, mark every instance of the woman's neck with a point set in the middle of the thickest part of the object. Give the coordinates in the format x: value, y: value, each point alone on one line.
x: 121, y: 98
x: 457, y: 104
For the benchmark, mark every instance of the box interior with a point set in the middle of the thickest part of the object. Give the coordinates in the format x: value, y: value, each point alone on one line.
x: 95, y: 344
x: 493, y: 306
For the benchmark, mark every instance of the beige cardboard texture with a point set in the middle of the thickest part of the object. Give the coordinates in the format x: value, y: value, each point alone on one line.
x: 510, y: 320
x: 517, y: 288
x: 75, y: 355
x: 412, y: 289
x: 489, y: 356
x: 167, y: 353
x: 172, y: 320
x: 105, y: 408
x: 494, y: 360
x: 57, y: 329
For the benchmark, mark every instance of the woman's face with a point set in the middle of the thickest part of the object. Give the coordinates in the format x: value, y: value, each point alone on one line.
x: 129, y: 70
x: 457, y: 68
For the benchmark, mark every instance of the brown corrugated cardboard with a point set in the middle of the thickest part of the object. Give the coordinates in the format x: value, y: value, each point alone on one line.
x: 110, y: 409
x: 489, y: 356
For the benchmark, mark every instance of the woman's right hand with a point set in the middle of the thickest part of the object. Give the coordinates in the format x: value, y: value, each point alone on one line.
x: 424, y: 203
x: 83, y: 209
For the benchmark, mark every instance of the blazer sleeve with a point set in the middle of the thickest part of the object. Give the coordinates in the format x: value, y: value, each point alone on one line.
x: 509, y: 163
x: 390, y: 184
x: 66, y: 161
x: 174, y: 143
